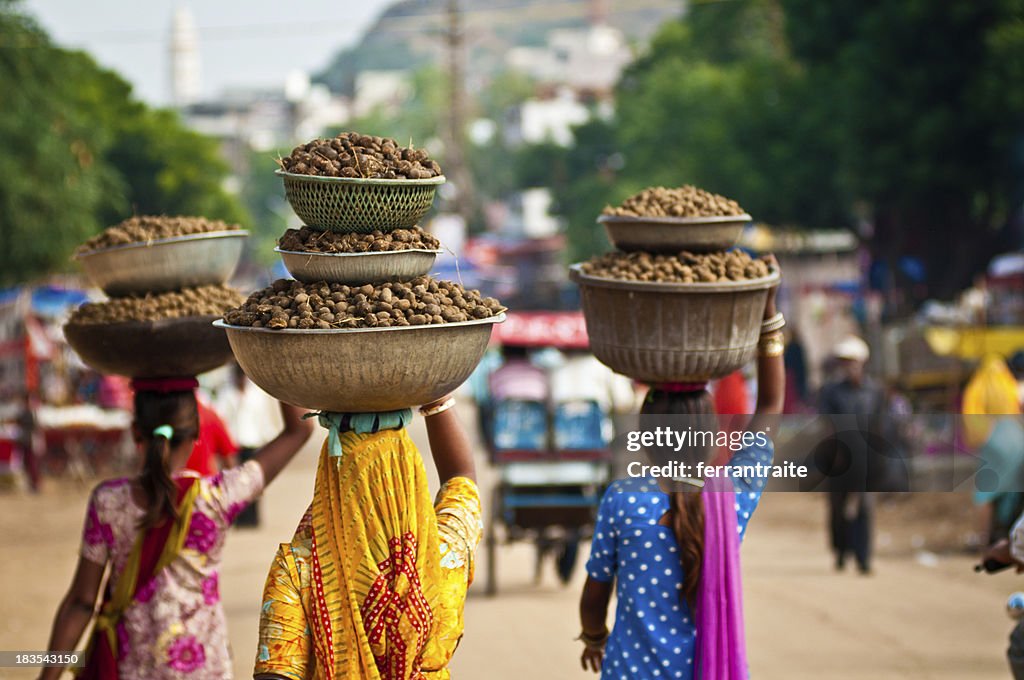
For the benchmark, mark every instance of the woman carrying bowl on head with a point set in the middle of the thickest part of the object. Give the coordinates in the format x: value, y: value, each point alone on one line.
x: 670, y: 546
x: 374, y: 581
x: 162, y: 534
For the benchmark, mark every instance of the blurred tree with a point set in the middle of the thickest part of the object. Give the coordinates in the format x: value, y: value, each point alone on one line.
x: 81, y: 153
x: 55, y: 182
x: 169, y: 169
x: 715, y: 101
x: 907, y: 115
x: 924, y: 101
x: 269, y: 212
x: 583, y: 179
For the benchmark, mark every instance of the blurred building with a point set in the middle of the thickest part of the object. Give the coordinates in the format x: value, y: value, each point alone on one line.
x: 380, y: 90
x: 184, y: 58
x: 269, y: 118
x: 548, y: 119
x: 248, y: 119
x: 589, y: 59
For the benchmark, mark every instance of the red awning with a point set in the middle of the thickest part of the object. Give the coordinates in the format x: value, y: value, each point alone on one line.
x: 564, y: 330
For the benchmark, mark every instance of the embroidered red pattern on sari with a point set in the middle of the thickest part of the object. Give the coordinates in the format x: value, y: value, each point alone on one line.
x: 383, y: 608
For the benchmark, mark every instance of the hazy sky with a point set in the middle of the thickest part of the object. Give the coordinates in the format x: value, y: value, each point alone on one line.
x: 241, y: 42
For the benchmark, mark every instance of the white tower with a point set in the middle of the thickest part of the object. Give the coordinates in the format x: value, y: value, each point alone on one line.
x: 184, y: 53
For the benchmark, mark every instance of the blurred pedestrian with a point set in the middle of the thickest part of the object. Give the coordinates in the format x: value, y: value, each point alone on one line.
x: 214, y: 449
x: 252, y: 419
x: 28, y: 440
x: 795, y: 358
x: 851, y: 457
x: 992, y: 426
x: 517, y: 416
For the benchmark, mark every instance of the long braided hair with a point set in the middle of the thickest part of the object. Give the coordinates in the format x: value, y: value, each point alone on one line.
x: 686, y: 508
x: 153, y: 411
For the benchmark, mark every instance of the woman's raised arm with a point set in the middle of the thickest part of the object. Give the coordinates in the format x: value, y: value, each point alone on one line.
x: 449, y: 443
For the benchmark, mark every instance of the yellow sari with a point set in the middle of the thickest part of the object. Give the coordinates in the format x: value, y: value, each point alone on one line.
x: 374, y: 582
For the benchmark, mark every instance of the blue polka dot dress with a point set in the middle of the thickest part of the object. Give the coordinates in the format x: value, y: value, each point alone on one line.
x: 653, y: 635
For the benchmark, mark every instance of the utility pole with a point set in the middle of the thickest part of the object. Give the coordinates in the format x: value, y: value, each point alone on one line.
x: 455, y: 152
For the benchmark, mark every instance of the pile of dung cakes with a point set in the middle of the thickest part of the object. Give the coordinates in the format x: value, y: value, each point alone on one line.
x: 675, y: 302
x: 363, y: 327
x: 165, y: 279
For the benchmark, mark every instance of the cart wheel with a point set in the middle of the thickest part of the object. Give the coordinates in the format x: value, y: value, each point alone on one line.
x: 492, y: 542
x: 566, y: 561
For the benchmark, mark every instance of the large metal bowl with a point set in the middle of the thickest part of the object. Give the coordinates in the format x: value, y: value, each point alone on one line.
x: 674, y: 234
x: 346, y: 204
x: 673, y: 332
x: 151, y: 349
x: 361, y: 370
x: 165, y: 264
x: 361, y: 268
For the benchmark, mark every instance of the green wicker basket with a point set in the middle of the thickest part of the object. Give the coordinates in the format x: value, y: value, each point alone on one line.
x: 346, y: 204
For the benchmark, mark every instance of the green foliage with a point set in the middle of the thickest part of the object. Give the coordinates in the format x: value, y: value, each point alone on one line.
x: 264, y: 201
x: 715, y: 101
x: 924, y: 104
x: 172, y: 170
x: 54, y: 182
x: 816, y: 114
x: 81, y: 153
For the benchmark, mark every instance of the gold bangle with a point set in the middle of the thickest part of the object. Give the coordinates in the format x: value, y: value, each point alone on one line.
x: 771, y: 345
x: 439, y: 408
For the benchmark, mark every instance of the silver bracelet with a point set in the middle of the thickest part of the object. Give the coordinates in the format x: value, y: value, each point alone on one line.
x: 773, y: 323
x: 440, y: 408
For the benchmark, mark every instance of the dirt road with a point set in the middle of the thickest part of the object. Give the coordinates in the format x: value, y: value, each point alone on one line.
x: 929, y: 618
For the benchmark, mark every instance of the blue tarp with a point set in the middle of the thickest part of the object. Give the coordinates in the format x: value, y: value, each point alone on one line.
x: 47, y: 300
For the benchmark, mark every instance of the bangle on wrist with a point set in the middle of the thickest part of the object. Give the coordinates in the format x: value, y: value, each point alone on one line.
x: 773, y: 323
x: 434, y: 409
x: 594, y: 641
x: 771, y: 345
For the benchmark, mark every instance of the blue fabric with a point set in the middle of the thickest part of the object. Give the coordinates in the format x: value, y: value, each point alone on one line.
x: 654, y: 635
x: 360, y: 423
x: 581, y: 425
x: 520, y: 426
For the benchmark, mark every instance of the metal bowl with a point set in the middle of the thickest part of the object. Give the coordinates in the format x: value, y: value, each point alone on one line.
x: 361, y: 370
x: 165, y: 264
x: 361, y: 268
x: 347, y: 204
x: 674, y: 234
x: 673, y: 332
x: 165, y: 348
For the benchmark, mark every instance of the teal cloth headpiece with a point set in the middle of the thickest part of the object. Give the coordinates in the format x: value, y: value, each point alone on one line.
x: 360, y: 423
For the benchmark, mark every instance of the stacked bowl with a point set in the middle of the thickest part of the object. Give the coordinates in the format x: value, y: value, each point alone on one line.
x: 363, y: 328
x: 165, y: 279
x: 674, y: 303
